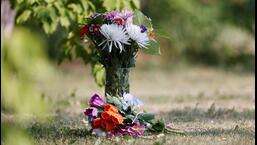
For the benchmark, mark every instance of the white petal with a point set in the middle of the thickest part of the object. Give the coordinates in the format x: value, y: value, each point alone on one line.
x: 114, y: 34
x: 110, y: 47
x: 135, y: 34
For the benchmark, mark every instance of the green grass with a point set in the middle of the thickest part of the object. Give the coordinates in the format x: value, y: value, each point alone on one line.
x: 213, y: 107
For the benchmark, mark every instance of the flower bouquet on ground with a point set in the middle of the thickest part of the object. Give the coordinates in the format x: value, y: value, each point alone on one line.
x: 122, y: 116
x: 117, y: 37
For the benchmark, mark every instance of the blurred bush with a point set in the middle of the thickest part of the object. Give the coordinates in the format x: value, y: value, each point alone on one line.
x: 211, y: 32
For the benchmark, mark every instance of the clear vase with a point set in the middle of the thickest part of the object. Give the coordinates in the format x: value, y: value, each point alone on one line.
x: 116, y: 81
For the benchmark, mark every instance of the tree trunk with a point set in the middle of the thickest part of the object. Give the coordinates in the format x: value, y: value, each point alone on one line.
x: 117, y: 81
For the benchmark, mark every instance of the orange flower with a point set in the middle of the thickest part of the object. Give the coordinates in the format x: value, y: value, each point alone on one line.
x: 97, y: 123
x: 108, y: 124
x: 111, y: 108
x: 110, y: 117
x: 152, y: 35
x: 117, y: 118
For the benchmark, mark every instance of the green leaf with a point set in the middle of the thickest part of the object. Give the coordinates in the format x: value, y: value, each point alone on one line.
x: 153, y: 48
x: 135, y: 4
x: 140, y: 19
x: 99, y: 73
x: 159, y: 126
x: 75, y: 7
x: 97, y: 20
x: 113, y: 100
x: 50, y: 28
x: 146, y: 116
x: 129, y: 118
x: 85, y: 5
x: 24, y: 16
x: 162, y: 33
x: 112, y: 4
x: 65, y: 22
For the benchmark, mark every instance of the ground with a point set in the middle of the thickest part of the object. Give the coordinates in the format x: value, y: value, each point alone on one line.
x: 212, y: 106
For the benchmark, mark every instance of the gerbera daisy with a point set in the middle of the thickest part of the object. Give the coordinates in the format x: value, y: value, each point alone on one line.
x: 135, y: 34
x: 115, y: 35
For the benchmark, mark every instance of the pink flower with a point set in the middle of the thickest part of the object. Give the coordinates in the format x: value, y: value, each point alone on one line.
x: 96, y: 101
x: 127, y: 16
x: 136, y: 130
x: 119, y: 20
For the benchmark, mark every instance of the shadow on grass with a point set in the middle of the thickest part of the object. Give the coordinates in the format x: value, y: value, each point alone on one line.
x: 196, y: 114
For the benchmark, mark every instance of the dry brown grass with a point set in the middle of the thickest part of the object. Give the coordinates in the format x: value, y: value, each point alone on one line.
x: 212, y: 106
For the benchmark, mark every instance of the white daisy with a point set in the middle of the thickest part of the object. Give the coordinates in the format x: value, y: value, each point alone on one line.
x: 115, y: 35
x: 135, y: 34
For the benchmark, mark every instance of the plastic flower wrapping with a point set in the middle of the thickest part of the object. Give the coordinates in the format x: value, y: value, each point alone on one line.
x: 121, y: 117
x: 118, y: 35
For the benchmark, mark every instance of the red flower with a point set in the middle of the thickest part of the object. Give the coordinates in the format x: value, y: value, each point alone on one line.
x: 84, y: 30
x: 96, y: 28
x: 105, y: 115
x: 97, y: 123
x: 108, y: 124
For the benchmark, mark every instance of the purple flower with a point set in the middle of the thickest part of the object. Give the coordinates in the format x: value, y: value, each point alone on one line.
x: 95, y: 15
x: 90, y: 119
x: 125, y: 14
x: 110, y: 16
x: 96, y: 101
x: 143, y: 29
x: 91, y: 112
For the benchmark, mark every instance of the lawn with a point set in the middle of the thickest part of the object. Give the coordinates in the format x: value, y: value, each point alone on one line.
x: 212, y: 106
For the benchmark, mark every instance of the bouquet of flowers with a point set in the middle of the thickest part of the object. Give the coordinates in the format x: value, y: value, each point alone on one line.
x: 117, y: 36
x: 121, y: 116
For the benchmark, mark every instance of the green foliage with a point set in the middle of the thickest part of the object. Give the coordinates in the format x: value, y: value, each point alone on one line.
x: 99, y: 73
x: 147, y: 117
x: 120, y: 4
x: 23, y: 63
x: 158, y: 126
x: 140, y: 19
x: 153, y: 48
x: 24, y: 16
x: 163, y: 34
